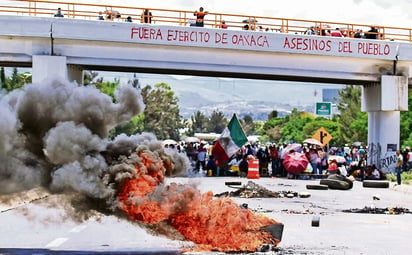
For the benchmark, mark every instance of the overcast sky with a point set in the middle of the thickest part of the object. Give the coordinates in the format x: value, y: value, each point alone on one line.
x: 379, y: 12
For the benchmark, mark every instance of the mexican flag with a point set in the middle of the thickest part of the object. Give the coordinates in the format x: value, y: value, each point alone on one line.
x: 230, y: 141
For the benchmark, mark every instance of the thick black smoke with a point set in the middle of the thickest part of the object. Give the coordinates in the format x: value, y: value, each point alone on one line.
x: 55, y: 135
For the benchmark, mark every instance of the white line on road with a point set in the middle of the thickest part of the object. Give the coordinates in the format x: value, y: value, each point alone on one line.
x: 78, y: 229
x: 57, y: 242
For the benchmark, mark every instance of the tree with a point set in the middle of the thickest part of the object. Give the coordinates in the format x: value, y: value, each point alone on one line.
x: 293, y: 129
x: 353, y: 122
x: 273, y: 114
x: 199, y: 122
x: 331, y: 126
x: 91, y: 78
x: 248, y: 125
x: 272, y: 127
x: 161, y: 115
x: 406, y: 124
x: 217, y: 122
x: 15, y: 81
x: 134, y: 126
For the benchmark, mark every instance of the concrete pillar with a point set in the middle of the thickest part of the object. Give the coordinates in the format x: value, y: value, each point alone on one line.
x: 75, y: 73
x: 46, y: 67
x: 383, y: 102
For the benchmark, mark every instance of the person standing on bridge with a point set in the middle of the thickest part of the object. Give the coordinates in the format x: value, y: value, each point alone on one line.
x: 59, y: 13
x: 146, y: 16
x: 100, y: 16
x: 372, y: 33
x: 200, y: 17
x: 128, y: 19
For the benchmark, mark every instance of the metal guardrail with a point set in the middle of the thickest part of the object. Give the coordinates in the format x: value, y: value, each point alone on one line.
x: 117, y: 13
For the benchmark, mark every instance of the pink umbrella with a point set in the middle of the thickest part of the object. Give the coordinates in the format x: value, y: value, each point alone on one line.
x: 295, y: 162
x: 291, y: 147
x: 339, y: 159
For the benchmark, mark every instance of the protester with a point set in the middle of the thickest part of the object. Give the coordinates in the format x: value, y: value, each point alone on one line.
x: 274, y: 157
x: 310, y: 31
x: 336, y: 33
x: 372, y: 173
x: 405, y: 156
x: 100, y: 16
x: 398, y: 166
x: 200, y: 17
x: 211, y: 165
x: 201, y: 157
x: 223, y: 25
x: 244, y: 166
x: 333, y: 167
x: 129, y: 19
x: 146, y: 16
x: 372, y: 33
x: 362, y: 164
x: 59, y: 13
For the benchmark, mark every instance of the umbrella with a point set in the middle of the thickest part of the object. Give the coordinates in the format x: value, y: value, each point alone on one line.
x: 339, y: 159
x: 251, y: 20
x: 326, y: 26
x: 357, y: 144
x: 295, y: 162
x: 291, y: 147
x: 192, y: 139
x: 313, y: 141
x: 169, y: 141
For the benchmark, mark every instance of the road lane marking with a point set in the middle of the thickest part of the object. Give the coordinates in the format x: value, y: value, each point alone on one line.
x: 78, y: 229
x: 57, y: 242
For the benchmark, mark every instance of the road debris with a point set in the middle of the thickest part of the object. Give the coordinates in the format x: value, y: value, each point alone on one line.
x: 315, y: 221
x: 374, y: 210
x: 253, y: 190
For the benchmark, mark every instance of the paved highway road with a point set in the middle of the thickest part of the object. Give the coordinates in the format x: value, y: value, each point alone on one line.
x: 33, y: 226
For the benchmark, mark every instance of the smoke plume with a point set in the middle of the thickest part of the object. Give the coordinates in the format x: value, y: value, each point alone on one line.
x: 55, y: 135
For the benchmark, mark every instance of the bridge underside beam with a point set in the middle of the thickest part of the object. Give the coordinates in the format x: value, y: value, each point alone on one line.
x: 222, y: 62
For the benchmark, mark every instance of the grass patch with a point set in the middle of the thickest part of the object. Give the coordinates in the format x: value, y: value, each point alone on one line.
x: 406, y: 177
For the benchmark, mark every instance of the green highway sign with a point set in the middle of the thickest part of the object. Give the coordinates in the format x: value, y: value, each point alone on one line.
x: 323, y: 109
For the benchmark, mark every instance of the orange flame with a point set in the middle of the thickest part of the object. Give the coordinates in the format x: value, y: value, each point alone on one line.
x: 213, y: 224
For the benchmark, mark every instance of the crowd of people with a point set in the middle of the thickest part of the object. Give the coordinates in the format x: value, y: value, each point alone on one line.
x: 345, y: 160
x: 250, y: 24
x: 372, y: 33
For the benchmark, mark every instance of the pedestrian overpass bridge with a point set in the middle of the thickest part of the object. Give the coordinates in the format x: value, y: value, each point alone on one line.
x: 65, y: 47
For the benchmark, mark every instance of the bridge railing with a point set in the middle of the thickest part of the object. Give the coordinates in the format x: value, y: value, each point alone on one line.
x: 118, y: 13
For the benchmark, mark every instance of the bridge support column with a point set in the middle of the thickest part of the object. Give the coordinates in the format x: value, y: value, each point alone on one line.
x: 45, y: 67
x: 383, y: 102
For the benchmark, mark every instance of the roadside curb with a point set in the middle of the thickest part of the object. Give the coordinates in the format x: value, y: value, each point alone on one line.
x: 9, y: 202
x: 404, y: 188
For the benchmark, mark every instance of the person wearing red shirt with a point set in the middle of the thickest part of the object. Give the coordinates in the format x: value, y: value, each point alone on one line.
x: 200, y: 17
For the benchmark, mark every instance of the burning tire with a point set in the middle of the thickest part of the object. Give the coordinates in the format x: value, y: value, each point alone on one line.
x: 375, y: 184
x: 317, y: 187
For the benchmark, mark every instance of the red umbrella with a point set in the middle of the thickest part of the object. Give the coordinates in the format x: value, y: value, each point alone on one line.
x: 295, y: 162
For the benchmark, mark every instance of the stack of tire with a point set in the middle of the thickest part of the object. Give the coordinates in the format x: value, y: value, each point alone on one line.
x: 337, y: 181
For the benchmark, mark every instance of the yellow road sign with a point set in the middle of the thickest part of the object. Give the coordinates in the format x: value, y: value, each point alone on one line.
x: 322, y: 136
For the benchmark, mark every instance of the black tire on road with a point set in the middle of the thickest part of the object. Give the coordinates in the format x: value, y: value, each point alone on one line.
x: 318, y: 187
x: 233, y: 183
x: 336, y: 184
x: 341, y: 178
x: 375, y: 184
